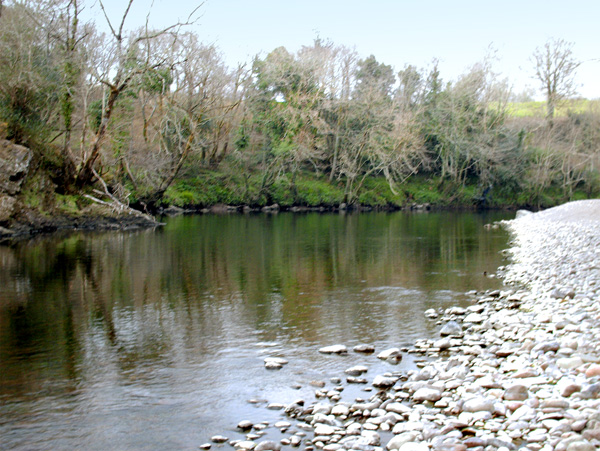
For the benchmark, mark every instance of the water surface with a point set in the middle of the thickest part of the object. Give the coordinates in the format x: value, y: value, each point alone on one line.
x: 155, y: 339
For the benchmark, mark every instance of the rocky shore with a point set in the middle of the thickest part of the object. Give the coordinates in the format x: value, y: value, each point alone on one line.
x: 96, y: 218
x: 517, y: 369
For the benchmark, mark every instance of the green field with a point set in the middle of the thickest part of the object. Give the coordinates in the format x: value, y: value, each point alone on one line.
x: 538, y: 109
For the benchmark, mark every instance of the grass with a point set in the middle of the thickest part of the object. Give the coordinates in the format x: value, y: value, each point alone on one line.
x: 538, y: 109
x: 210, y: 188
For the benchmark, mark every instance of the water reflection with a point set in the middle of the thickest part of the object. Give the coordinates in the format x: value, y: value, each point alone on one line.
x: 170, y: 326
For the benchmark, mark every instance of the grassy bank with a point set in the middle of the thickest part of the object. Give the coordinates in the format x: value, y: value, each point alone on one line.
x: 308, y: 190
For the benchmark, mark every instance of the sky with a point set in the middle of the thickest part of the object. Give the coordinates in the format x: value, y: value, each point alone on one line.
x: 459, y: 33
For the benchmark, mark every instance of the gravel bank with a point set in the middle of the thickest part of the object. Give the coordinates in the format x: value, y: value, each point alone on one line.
x: 517, y: 369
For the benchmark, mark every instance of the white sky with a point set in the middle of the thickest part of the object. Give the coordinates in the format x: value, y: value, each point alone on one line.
x: 400, y: 32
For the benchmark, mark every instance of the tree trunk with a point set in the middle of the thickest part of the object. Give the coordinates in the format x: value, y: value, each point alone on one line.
x: 86, y: 172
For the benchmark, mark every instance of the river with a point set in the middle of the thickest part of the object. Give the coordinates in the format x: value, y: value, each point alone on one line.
x: 155, y: 339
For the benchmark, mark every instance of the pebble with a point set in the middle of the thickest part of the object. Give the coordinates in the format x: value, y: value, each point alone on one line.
x: 451, y: 328
x: 364, y: 348
x: 245, y: 424
x: 357, y: 370
x: 517, y: 369
x: 391, y: 353
x: 593, y: 371
x: 334, y: 349
x: 478, y: 404
x: 384, y: 381
x: 427, y: 394
x: 268, y: 445
x: 218, y: 439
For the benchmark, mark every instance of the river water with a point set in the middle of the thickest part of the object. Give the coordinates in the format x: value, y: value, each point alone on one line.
x: 155, y: 339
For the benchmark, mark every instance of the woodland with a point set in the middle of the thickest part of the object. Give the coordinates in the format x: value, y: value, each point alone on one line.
x: 149, y: 119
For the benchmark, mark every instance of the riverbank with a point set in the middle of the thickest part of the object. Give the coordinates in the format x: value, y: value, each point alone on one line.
x: 517, y: 369
x: 29, y: 224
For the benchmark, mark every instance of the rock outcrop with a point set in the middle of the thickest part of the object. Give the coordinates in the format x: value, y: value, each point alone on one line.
x: 15, y: 161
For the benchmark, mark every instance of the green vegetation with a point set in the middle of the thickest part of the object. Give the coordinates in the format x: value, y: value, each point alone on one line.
x: 564, y: 109
x: 151, y: 118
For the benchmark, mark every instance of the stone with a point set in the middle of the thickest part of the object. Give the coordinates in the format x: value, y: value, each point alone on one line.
x: 451, y: 328
x: 218, y: 439
x: 473, y: 442
x: 398, y: 440
x: 356, y: 370
x: 398, y: 408
x: 442, y: 344
x: 273, y: 365
x: 590, y: 392
x: 324, y: 429
x: 371, y: 438
x: 14, y: 167
x: 245, y: 445
x: 593, y: 370
x: 523, y: 413
x: 555, y: 404
x: 456, y: 311
x: 431, y: 313
x: 245, y: 425
x: 356, y: 380
x: 268, y: 445
x: 205, y: 446
x: 569, y: 363
x: 592, y: 434
x: 322, y: 408
x: 278, y: 360
x: 7, y: 207
x: 568, y: 388
x: 547, y: 346
x: 340, y: 410
x: 478, y: 404
x: 354, y: 429
x: 474, y: 318
x: 275, y: 406
x: 384, y: 382
x: 581, y: 445
x: 334, y: 349
x: 388, y: 354
x: 427, y: 394
x: 364, y: 348
x: 414, y: 446
x: 516, y: 393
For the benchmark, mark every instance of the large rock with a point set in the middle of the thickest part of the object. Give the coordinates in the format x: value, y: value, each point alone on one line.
x: 7, y: 205
x: 14, y: 167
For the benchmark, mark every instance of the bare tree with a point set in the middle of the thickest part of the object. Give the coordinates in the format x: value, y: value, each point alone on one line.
x: 555, y: 67
x: 119, y: 78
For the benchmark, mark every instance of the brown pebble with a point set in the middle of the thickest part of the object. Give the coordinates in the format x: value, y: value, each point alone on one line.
x: 593, y: 370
